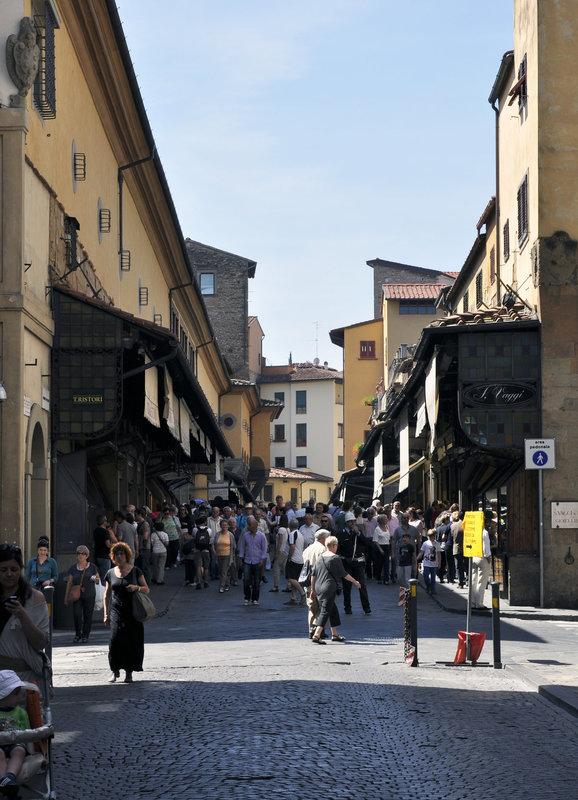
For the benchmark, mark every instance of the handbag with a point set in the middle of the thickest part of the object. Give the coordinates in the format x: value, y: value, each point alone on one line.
x: 75, y: 591
x: 143, y: 607
x: 99, y: 597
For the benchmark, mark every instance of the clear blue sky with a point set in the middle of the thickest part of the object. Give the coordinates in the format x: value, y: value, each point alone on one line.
x: 313, y: 135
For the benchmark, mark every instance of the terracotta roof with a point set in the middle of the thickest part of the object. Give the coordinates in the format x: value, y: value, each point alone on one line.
x: 302, y: 372
x: 452, y: 274
x: 411, y: 291
x: 485, y: 316
x: 297, y: 474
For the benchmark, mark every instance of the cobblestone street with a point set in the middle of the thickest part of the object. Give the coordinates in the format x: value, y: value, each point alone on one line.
x: 237, y: 703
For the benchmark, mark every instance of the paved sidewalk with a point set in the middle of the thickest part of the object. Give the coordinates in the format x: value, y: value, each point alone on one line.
x: 555, y: 675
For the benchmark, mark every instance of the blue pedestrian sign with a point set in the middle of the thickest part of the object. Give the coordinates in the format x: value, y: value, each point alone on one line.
x: 540, y: 453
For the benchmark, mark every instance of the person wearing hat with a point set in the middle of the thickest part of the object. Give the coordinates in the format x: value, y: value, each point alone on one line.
x: 352, y: 547
x: 42, y: 571
x: 12, y: 718
x: 430, y: 553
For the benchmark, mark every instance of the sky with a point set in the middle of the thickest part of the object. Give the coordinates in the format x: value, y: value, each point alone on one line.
x: 314, y: 135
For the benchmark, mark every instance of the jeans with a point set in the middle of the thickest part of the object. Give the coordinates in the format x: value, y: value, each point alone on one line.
x: 279, y: 568
x: 357, y: 570
x: 429, y: 576
x: 381, y: 562
x: 159, y: 560
x: 251, y: 580
x: 451, y: 566
x: 172, y: 552
x: 404, y: 574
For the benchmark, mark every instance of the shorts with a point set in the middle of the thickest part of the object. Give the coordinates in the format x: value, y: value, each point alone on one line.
x: 8, y: 748
x: 202, y: 559
x: 293, y: 570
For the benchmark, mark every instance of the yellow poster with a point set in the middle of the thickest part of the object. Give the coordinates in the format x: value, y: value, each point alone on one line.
x: 473, y: 527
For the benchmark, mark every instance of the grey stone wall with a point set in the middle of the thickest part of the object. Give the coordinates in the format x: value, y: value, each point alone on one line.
x: 228, y: 306
x: 393, y: 272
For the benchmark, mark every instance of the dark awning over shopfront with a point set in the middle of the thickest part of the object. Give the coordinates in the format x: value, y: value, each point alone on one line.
x: 102, y: 356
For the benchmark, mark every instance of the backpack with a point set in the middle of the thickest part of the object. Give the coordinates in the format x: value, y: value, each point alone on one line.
x: 304, y: 578
x: 203, y: 539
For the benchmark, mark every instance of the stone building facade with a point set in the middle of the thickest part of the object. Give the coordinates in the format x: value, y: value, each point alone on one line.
x: 385, y: 271
x: 223, y: 279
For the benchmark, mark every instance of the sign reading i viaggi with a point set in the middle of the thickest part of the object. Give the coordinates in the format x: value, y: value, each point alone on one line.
x: 473, y: 528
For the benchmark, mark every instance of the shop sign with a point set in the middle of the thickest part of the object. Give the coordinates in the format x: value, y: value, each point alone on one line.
x: 473, y: 526
x: 499, y: 394
x: 87, y: 399
x: 564, y: 515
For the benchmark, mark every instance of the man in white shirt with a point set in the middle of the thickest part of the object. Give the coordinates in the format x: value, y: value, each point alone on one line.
x: 311, y: 554
x: 307, y: 530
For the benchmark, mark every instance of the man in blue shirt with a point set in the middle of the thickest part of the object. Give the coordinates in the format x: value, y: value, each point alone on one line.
x: 253, y: 554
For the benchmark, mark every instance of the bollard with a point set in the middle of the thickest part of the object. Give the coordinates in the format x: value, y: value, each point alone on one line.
x: 496, y: 637
x: 413, y: 620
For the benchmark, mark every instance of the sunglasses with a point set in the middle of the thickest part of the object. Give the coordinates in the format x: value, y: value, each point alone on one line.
x: 10, y: 548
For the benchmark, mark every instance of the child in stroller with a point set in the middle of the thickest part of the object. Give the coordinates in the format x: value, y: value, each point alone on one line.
x: 12, y: 717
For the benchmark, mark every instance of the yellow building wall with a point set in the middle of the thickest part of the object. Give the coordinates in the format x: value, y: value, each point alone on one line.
x: 239, y: 437
x: 261, y: 437
x: 283, y: 487
x: 360, y: 378
x: 401, y: 329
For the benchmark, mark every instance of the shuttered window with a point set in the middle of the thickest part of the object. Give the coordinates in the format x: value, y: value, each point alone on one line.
x: 506, y: 238
x: 523, y: 211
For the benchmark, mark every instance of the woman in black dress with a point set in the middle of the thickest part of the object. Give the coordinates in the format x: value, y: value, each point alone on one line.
x: 328, y: 573
x: 126, y: 649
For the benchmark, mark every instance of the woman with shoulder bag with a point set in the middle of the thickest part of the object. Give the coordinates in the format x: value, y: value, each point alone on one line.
x: 42, y: 571
x: 80, y: 591
x: 126, y: 648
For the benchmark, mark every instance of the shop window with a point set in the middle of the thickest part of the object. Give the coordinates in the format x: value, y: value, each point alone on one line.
x: 301, y: 434
x: 366, y: 349
x: 301, y: 402
x: 207, y: 282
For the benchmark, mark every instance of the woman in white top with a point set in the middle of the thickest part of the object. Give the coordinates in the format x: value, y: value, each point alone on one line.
x: 159, y: 545
x: 382, y: 549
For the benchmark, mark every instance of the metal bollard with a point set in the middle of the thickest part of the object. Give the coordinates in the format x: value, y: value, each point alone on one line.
x: 496, y: 637
x: 413, y: 621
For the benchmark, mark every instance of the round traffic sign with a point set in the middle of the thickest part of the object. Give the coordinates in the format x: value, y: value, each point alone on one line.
x: 540, y: 458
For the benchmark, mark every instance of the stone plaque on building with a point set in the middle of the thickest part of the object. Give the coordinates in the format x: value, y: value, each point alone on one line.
x: 565, y: 515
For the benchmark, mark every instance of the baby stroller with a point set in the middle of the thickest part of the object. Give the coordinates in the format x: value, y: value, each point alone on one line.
x: 35, y: 777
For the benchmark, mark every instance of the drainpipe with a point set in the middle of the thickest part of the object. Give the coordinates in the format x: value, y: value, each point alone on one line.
x: 498, y: 231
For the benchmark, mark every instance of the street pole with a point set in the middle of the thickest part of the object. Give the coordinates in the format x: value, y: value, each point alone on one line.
x: 469, y: 610
x: 413, y: 619
x: 541, y: 536
x: 496, y: 636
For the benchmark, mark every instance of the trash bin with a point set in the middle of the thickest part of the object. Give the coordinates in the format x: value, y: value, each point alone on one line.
x: 476, y: 646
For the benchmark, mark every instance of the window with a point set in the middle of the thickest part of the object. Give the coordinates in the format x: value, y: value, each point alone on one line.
x: 492, y: 265
x: 507, y: 240
x: 280, y: 396
x: 312, y: 495
x: 301, y: 434
x: 301, y: 402
x: 44, y: 83
x: 279, y: 433
x: 366, y: 349
x: 174, y: 323
x: 268, y: 493
x: 71, y: 226
x: 294, y: 498
x: 466, y: 301
x: 280, y: 462
x: 523, y: 211
x: 301, y: 462
x: 340, y: 430
x: 479, y: 289
x: 417, y: 307
x: 523, y: 84
x: 207, y: 282
x: 340, y: 464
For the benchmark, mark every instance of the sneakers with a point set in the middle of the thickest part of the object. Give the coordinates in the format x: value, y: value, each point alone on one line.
x: 227, y: 588
x: 368, y: 612
x: 255, y: 602
x: 199, y: 587
x: 221, y: 590
x: 245, y: 602
x: 8, y: 787
x: 290, y: 603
